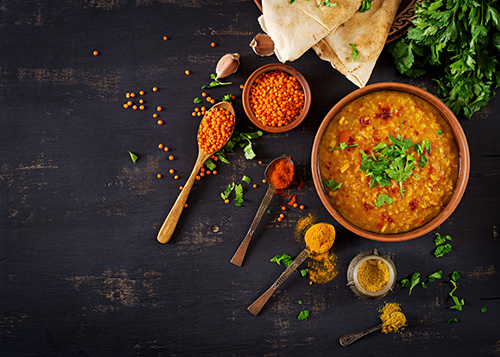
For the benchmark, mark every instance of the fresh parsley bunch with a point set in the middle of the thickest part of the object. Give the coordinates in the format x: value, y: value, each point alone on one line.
x: 461, y: 40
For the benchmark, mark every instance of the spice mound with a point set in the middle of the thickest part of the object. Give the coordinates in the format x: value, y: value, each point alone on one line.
x: 373, y: 275
x: 282, y: 174
x: 215, y: 130
x: 392, y: 317
x: 320, y: 237
x: 276, y: 98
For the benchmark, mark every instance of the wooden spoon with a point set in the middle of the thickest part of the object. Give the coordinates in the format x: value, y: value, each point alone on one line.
x: 238, y: 257
x: 261, y: 301
x: 168, y: 227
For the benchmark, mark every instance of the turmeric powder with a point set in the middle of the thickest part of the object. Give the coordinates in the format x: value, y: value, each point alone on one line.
x: 320, y: 237
x: 322, y: 268
x: 392, y: 317
x: 373, y: 275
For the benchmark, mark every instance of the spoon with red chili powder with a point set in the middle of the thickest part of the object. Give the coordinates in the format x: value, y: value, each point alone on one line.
x: 215, y: 129
x: 279, y: 175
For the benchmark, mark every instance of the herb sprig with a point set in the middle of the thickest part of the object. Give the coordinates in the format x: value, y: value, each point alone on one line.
x: 215, y: 82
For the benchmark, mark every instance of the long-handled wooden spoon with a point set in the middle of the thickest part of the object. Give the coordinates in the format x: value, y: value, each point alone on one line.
x: 168, y: 227
x: 238, y: 257
x: 261, y: 301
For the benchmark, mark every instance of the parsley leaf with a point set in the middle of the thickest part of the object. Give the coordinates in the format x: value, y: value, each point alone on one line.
x: 342, y: 146
x: 285, y: 258
x: 197, y: 100
x: 453, y: 320
x: 440, y: 132
x: 332, y: 184
x: 441, y: 250
x: 210, y: 164
x: 414, y: 280
x: 365, y: 6
x: 355, y: 52
x: 435, y: 276
x: 383, y: 198
x: 484, y: 309
x: 228, y: 191
x: 303, y: 272
x: 228, y: 98
x: 304, y: 314
x: 300, y: 302
x: 133, y: 156
x: 440, y: 239
x: 215, y: 82
x: 238, y: 189
x: 327, y: 3
x: 246, y: 179
x: 458, y: 302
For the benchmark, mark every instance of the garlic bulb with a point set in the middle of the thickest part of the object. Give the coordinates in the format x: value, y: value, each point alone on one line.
x: 227, y: 65
x: 262, y: 45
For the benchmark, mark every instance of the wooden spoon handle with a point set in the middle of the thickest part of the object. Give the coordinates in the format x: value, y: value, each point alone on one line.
x: 168, y: 227
x: 261, y: 301
x: 238, y: 257
x: 350, y: 338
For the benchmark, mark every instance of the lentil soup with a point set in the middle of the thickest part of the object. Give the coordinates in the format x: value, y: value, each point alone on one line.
x: 380, y: 198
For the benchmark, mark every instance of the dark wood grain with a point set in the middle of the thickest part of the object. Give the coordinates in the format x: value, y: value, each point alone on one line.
x: 81, y: 272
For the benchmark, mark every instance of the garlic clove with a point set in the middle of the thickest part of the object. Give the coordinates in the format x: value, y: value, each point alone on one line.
x: 227, y: 65
x: 262, y: 45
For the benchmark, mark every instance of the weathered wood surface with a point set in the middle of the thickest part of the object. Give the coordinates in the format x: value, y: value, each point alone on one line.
x: 81, y: 271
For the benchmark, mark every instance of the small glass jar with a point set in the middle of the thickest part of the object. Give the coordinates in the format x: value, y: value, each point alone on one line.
x: 352, y: 274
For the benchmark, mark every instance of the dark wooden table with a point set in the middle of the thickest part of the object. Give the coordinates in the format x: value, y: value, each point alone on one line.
x: 81, y: 271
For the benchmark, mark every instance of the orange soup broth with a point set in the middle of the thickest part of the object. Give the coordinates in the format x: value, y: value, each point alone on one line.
x: 369, y: 120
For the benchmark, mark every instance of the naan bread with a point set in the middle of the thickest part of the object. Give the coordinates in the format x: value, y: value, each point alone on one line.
x: 368, y: 30
x: 296, y: 27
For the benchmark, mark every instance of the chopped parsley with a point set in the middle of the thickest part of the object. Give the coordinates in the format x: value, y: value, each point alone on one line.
x: 484, y: 309
x: 392, y: 162
x: 227, y: 191
x: 412, y: 282
x: 303, y: 315
x: 343, y: 146
x: 133, y: 156
x: 215, y: 82
x: 383, y: 198
x: 355, y: 52
x: 246, y: 179
x: 228, y: 98
x: 327, y: 3
x: 441, y: 247
x: 332, y: 184
x: 210, y: 164
x: 458, y: 302
x: 244, y: 140
x: 197, y: 100
x: 435, y: 276
x: 365, y: 6
x: 453, y: 320
x: 238, y: 189
x: 300, y: 302
x: 440, y: 132
x: 287, y: 260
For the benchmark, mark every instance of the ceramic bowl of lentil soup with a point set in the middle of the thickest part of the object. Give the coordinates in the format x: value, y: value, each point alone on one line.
x: 276, y: 98
x: 390, y: 162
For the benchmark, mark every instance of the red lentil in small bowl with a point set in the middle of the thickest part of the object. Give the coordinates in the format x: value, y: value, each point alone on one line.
x: 276, y: 98
x: 390, y: 162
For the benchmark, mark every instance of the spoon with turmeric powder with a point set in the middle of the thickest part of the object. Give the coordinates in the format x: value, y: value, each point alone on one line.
x: 215, y: 129
x: 319, y: 239
x: 279, y: 175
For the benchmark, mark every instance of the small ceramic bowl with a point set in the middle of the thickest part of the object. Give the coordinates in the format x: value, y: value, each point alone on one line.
x: 352, y: 275
x: 246, y: 97
x: 460, y: 139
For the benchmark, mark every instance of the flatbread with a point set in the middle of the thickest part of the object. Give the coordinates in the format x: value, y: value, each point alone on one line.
x: 368, y: 30
x: 296, y: 27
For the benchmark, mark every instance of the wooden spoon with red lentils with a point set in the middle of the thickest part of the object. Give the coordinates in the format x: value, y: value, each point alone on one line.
x: 216, y: 128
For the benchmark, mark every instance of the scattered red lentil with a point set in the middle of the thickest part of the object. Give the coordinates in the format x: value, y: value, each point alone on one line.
x: 142, y: 107
x: 155, y: 115
x: 155, y: 89
x: 176, y: 177
x: 165, y: 38
x: 283, y: 208
x: 159, y: 175
x: 171, y: 171
x: 181, y: 188
x: 141, y: 92
x: 264, y: 181
x: 141, y: 101
x: 187, y: 72
x: 212, y: 44
x: 166, y: 149
x: 242, y: 86
x: 214, y: 172
x: 193, y: 114
x: 226, y: 201
x: 215, y: 129
x: 254, y: 185
x: 202, y: 174
x: 125, y: 105
x: 198, y: 114
x: 209, y: 99
x: 282, y: 215
x: 295, y: 205
x: 276, y: 98
x: 127, y: 95
x: 159, y: 109
x: 260, y: 162
x: 196, y: 109
x: 301, y: 207
x: 134, y: 107
x: 160, y: 122
x: 208, y: 172
x: 171, y: 157
x: 212, y: 101
x: 198, y: 177
x: 185, y: 205
x: 160, y: 146
x: 132, y: 95
x: 280, y: 219
x: 129, y: 103
x: 95, y: 53
x: 203, y: 94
